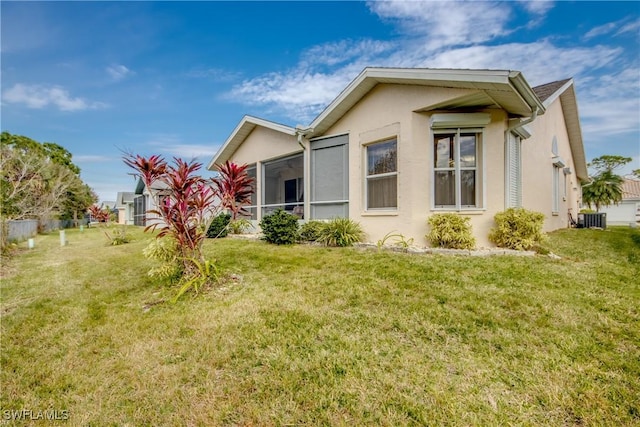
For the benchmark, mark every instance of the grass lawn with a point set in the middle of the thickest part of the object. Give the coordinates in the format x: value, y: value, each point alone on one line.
x: 308, y: 335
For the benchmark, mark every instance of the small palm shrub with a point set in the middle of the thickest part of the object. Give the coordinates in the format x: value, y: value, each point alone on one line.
x: 517, y: 228
x: 238, y: 226
x: 166, y: 252
x: 219, y: 226
x: 311, y: 230
x: 280, y: 228
x: 341, y: 232
x: 451, y: 231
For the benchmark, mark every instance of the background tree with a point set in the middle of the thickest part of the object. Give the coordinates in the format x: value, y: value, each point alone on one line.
x: 39, y: 181
x: 605, y: 187
x: 636, y: 173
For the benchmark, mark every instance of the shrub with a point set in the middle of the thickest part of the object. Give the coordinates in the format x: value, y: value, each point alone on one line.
x: 452, y: 231
x: 165, y: 251
x: 517, y: 228
x: 341, y: 232
x: 280, y: 228
x: 310, y: 231
x: 219, y: 226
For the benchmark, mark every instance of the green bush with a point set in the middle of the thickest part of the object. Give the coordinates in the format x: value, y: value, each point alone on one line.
x: 310, y: 231
x: 219, y: 227
x: 341, y: 232
x: 452, y: 231
x: 517, y: 228
x: 280, y: 228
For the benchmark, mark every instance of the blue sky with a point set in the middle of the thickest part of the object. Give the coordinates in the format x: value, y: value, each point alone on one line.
x: 175, y: 78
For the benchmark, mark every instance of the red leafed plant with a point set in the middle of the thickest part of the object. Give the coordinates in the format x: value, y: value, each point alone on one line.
x: 185, y: 210
x: 99, y: 215
x: 234, y: 187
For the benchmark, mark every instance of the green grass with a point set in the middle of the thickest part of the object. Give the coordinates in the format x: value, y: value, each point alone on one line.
x: 307, y: 335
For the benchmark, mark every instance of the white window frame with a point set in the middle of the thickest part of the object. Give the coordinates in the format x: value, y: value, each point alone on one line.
x: 479, y: 169
x: 254, y: 167
x: 367, y: 177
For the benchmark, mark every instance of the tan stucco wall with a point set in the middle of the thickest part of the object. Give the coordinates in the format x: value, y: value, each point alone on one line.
x: 537, y: 169
x: 388, y: 111
x: 265, y: 144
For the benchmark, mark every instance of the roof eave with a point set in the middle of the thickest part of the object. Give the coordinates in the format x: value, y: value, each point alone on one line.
x: 239, y: 134
x: 370, y: 77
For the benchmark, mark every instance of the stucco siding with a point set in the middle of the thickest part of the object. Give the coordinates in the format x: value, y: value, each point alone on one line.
x: 390, y: 111
x: 264, y: 144
x: 538, y: 169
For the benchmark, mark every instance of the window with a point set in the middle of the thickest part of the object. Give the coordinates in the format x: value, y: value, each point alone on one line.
x: 283, y: 185
x: 455, y: 154
x: 382, y: 175
x: 330, y: 177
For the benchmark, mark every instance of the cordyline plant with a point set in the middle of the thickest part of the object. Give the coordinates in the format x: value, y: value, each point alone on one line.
x: 234, y: 186
x: 185, y: 212
x: 99, y: 215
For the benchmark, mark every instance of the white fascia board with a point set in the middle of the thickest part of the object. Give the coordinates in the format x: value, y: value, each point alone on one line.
x: 557, y: 93
x: 236, y: 138
x: 399, y: 75
x: 525, y: 91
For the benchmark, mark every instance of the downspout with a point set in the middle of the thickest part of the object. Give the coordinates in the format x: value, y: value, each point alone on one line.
x: 304, y: 133
x: 301, y: 133
x: 534, y: 115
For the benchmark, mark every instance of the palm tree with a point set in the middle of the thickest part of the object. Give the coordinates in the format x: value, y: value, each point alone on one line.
x: 605, y: 189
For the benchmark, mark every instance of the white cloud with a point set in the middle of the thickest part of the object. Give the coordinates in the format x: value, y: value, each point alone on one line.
x: 537, y: 7
x: 617, y: 28
x: 118, y: 72
x: 171, y: 145
x: 40, y: 96
x: 88, y: 158
x: 631, y: 27
x: 446, y: 23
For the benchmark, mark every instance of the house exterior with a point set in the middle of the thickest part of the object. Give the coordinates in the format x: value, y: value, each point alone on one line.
x: 398, y: 145
x: 145, y: 199
x: 124, y: 205
x: 627, y: 212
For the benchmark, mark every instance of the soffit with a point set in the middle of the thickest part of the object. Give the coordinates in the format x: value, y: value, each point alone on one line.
x: 240, y: 133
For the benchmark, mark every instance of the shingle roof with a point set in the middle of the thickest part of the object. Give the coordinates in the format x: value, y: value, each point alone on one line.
x: 124, y: 197
x: 631, y: 189
x: 546, y: 90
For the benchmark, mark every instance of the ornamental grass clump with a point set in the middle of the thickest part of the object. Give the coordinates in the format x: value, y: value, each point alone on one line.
x: 450, y: 231
x: 341, y: 232
x: 517, y: 228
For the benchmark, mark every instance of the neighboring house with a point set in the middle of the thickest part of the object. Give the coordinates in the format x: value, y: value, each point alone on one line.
x: 145, y: 200
x: 398, y: 145
x: 628, y: 210
x: 124, y: 205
